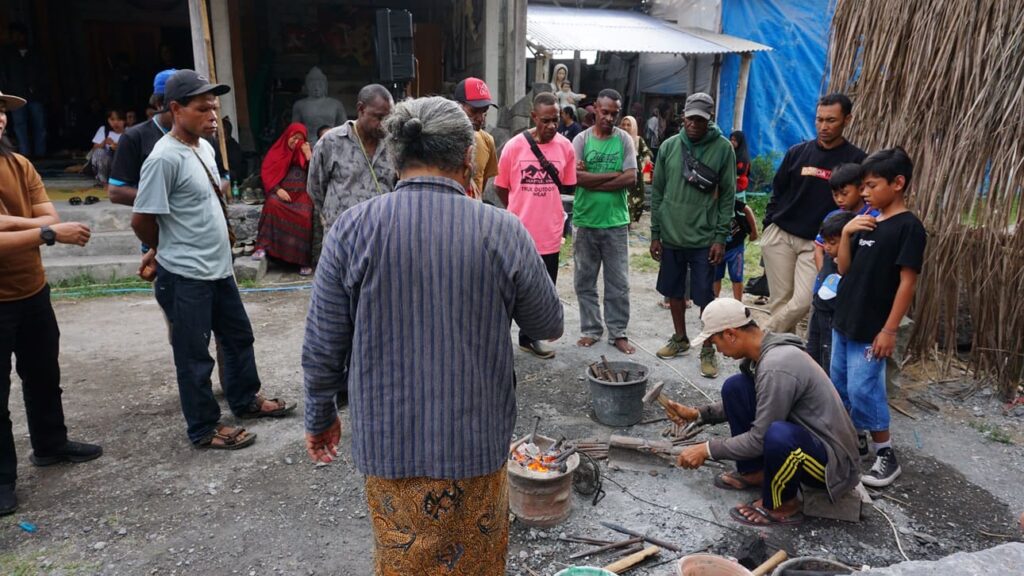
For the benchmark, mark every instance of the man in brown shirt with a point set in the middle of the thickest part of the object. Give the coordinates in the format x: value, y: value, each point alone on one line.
x: 475, y: 98
x: 28, y: 326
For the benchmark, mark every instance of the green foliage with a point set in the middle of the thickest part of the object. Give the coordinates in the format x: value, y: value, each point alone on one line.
x: 762, y: 170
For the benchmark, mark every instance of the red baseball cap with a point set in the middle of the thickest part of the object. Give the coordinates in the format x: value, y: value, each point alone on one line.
x: 474, y: 91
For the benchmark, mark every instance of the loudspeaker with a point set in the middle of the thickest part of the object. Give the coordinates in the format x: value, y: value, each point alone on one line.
x: 395, y: 60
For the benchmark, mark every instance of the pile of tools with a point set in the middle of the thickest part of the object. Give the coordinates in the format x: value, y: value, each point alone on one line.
x: 603, y: 371
x: 622, y: 554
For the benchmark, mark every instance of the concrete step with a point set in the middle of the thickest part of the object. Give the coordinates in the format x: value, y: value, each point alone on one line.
x: 100, y: 217
x: 123, y: 243
x: 99, y: 268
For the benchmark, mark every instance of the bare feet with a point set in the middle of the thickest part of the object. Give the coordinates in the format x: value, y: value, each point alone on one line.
x: 586, y: 342
x: 624, y: 346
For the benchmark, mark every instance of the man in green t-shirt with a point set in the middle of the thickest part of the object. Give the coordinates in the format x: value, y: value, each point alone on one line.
x: 605, y: 170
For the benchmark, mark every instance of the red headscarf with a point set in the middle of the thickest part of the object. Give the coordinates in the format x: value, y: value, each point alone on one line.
x: 280, y: 159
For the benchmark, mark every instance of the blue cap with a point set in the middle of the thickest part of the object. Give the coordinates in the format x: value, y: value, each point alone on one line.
x: 160, y: 81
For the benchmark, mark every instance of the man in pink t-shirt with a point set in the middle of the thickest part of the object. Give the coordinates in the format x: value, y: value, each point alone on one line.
x: 527, y: 187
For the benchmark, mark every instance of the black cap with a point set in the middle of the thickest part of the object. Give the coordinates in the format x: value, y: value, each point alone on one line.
x: 186, y: 83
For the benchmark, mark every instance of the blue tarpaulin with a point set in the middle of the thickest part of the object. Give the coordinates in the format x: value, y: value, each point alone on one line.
x: 784, y: 84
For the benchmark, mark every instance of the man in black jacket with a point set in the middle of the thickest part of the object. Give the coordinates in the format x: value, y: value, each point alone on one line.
x: 801, y: 198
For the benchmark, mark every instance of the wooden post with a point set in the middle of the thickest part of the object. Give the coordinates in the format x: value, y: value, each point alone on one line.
x: 541, y: 63
x: 516, y: 52
x: 221, y: 30
x: 741, y: 91
x: 577, y: 82
x: 202, y: 49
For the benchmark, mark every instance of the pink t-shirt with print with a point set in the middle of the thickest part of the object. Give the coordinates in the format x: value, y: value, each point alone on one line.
x: 532, y: 194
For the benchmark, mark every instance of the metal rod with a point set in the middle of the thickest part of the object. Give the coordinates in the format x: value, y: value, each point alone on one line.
x: 606, y: 548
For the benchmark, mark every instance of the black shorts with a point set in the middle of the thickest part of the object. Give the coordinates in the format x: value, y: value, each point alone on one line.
x: 676, y: 263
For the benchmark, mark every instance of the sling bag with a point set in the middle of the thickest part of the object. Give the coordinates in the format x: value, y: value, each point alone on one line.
x: 217, y: 194
x: 544, y: 163
x: 698, y: 174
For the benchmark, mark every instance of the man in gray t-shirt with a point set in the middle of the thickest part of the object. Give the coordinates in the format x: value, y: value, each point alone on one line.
x: 177, y: 212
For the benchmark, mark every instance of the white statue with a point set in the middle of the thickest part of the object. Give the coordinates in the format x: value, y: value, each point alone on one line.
x: 318, y: 109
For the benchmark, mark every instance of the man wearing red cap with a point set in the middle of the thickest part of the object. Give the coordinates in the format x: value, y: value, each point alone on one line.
x: 475, y: 98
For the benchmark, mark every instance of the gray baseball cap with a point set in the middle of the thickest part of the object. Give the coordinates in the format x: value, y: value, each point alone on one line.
x: 699, y: 104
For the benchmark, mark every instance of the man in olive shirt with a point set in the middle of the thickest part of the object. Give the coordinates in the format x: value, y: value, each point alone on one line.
x: 475, y: 98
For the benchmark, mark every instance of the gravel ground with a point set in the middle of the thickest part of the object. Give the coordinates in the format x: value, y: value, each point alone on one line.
x: 153, y: 505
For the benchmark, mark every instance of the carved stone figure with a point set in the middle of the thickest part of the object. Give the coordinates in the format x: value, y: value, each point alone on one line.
x: 317, y: 108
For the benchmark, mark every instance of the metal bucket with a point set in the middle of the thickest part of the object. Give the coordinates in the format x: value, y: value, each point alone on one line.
x: 619, y: 404
x: 541, y: 499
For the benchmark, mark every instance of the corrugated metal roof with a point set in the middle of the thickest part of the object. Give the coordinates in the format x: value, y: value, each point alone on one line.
x: 558, y: 28
x: 733, y: 43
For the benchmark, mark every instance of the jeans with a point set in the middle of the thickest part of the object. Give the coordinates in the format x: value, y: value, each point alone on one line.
x: 551, y: 263
x: 819, y: 339
x: 792, y: 456
x: 195, y: 308
x: 28, y: 330
x: 789, y: 265
x: 859, y: 378
x: 594, y: 247
x: 733, y: 261
x: 30, y: 128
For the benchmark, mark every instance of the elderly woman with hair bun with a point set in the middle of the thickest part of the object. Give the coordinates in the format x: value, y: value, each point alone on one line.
x: 410, y: 313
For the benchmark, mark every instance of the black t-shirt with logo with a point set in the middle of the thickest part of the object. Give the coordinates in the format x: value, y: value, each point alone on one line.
x: 801, y: 196
x: 134, y: 147
x: 868, y: 289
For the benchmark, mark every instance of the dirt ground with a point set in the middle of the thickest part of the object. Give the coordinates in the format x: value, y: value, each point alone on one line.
x: 153, y: 505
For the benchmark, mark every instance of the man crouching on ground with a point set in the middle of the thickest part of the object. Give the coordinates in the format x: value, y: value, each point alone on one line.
x: 415, y: 293
x: 788, y: 424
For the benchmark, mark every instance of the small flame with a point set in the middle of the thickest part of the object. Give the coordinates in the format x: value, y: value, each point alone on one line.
x: 539, y: 463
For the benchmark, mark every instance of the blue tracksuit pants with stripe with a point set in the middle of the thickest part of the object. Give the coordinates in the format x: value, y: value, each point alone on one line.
x: 792, y: 455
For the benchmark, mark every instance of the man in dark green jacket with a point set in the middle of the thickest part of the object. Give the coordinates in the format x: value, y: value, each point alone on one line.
x: 692, y: 202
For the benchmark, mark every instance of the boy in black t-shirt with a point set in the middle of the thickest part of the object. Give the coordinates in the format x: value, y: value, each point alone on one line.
x: 826, y: 287
x: 879, y: 259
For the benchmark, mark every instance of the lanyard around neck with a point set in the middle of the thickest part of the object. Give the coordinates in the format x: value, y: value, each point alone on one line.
x: 367, y: 158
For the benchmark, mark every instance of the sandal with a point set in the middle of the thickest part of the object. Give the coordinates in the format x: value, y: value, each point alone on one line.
x: 91, y: 200
x: 75, y: 200
x: 227, y: 438
x: 721, y: 483
x: 259, y: 254
x: 256, y: 411
x: 768, y: 520
x: 306, y: 271
x: 248, y: 247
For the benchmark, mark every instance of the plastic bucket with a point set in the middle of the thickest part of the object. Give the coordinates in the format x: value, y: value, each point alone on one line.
x: 709, y: 565
x: 585, y: 571
x: 619, y: 404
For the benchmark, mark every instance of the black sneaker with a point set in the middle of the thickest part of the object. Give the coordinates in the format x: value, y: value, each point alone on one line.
x: 71, y: 452
x: 8, y: 501
x: 885, y: 470
x: 864, y: 445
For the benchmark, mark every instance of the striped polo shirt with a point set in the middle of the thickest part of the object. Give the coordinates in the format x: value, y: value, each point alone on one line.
x: 411, y: 310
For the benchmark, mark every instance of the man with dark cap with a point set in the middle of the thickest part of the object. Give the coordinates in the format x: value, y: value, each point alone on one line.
x: 693, y: 199
x: 28, y: 326
x: 179, y: 212
x: 475, y: 98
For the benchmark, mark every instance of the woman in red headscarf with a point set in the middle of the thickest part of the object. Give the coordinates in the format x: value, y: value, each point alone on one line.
x: 286, y: 226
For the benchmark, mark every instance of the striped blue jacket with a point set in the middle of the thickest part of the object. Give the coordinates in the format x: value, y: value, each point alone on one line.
x: 411, y: 310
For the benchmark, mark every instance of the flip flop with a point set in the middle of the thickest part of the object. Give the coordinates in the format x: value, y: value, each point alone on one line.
x: 75, y: 200
x: 794, y: 520
x: 91, y: 200
x: 721, y: 483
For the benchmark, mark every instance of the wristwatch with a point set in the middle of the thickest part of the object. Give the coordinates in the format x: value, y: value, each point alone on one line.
x: 48, y: 235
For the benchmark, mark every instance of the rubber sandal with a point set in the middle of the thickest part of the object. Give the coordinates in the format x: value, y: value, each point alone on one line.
x: 794, y: 520
x: 306, y: 271
x: 720, y: 483
x: 91, y: 200
x: 259, y: 254
x: 256, y: 412
x: 75, y: 200
x: 234, y: 440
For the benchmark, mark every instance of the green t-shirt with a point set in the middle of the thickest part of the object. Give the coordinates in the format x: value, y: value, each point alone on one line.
x: 601, y: 209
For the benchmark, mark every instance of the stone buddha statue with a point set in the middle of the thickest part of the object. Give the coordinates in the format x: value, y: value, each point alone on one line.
x: 317, y: 108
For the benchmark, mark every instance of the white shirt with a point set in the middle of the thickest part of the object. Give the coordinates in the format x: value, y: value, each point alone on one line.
x: 102, y: 135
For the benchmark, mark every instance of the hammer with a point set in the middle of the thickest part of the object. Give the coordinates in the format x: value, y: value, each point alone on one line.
x: 655, y: 394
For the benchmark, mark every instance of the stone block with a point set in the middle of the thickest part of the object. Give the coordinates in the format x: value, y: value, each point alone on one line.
x: 817, y: 504
x: 245, y: 220
x: 1006, y: 559
x: 247, y: 269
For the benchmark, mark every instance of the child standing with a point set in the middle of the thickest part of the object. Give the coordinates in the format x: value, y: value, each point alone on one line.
x: 846, y: 185
x: 742, y: 226
x: 879, y: 259
x: 826, y: 287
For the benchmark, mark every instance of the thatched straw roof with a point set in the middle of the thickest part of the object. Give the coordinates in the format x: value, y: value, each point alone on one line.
x: 945, y: 80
